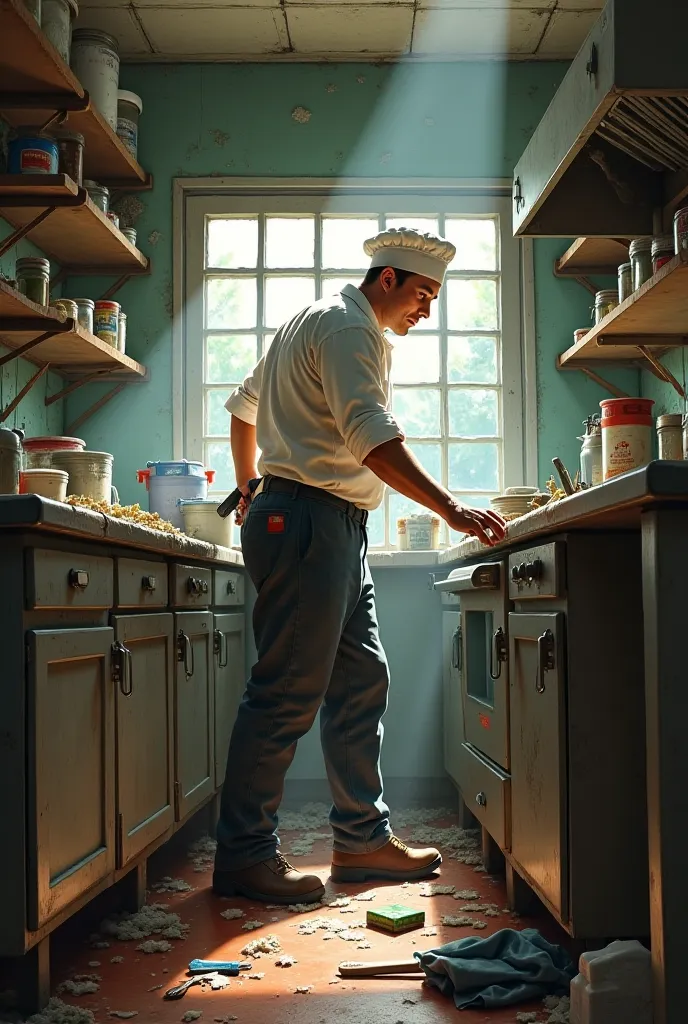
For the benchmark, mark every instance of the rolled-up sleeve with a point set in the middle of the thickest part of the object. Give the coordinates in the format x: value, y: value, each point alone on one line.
x: 351, y: 366
x: 243, y: 402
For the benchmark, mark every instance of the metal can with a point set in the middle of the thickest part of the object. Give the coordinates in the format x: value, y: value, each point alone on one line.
x: 640, y: 252
x: 626, y: 434
x: 670, y: 437
x: 662, y: 251
x: 681, y: 230
x: 106, y: 321
x: 95, y: 62
x: 85, y: 309
x: 30, y: 151
x: 605, y: 301
x: 591, y: 453
x: 625, y: 281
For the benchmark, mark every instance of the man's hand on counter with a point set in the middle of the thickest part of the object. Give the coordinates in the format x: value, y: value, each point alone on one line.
x: 486, y: 525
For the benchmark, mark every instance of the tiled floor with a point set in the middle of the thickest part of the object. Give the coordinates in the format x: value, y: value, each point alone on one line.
x: 137, y: 982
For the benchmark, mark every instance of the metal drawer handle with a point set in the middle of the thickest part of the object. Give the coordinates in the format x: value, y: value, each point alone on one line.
x: 185, y: 653
x: 545, y: 659
x: 481, y: 800
x: 78, y: 578
x: 498, y: 653
x: 221, y: 648
x: 149, y: 583
x: 124, y: 671
x: 196, y: 586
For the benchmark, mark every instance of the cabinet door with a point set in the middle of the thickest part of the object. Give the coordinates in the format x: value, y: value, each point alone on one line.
x: 144, y: 695
x: 451, y: 684
x: 228, y: 643
x: 194, y: 740
x: 538, y: 754
x: 71, y: 766
x: 485, y: 673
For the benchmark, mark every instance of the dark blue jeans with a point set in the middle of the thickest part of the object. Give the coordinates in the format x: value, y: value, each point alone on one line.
x: 318, y: 648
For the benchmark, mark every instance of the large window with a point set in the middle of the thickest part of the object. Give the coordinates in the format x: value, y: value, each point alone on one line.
x: 254, y: 261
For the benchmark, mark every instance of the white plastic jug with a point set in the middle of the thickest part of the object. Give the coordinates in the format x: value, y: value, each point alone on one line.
x: 614, y: 986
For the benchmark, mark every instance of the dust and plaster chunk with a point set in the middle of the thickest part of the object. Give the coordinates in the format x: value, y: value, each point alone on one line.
x: 365, y: 897
x: 301, y: 115
x: 303, y: 990
x: 168, y: 884
x: 526, y: 1018
x: 285, y: 961
x: 434, y: 889
x: 191, y: 1015
x: 258, y: 976
x: 94, y: 963
x: 116, y: 959
x: 559, y: 1009
x: 81, y: 985
x: 58, y: 1012
x: 98, y: 942
x: 466, y: 894
x: 304, y: 908
x: 123, y: 1014
x: 251, y: 926
x: 153, y: 919
x: 202, y: 853
x: 155, y: 946
x: 233, y: 914
x: 459, y: 921
x: 343, y: 901
x: 429, y: 932
x: 265, y: 944
x: 303, y: 845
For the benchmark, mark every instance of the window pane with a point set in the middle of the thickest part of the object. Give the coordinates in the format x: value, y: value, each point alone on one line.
x: 417, y: 411
x: 475, y: 241
x: 232, y: 242
x: 416, y: 360
x: 376, y: 527
x: 472, y: 305
x: 285, y: 297
x: 216, y: 416
x: 426, y: 225
x: 289, y: 241
x: 333, y: 285
x: 474, y: 467
x: 432, y: 323
x: 267, y: 342
x: 342, y: 241
x: 472, y: 360
x: 231, y: 302
x: 430, y: 458
x: 229, y: 358
x: 218, y: 456
x: 473, y: 413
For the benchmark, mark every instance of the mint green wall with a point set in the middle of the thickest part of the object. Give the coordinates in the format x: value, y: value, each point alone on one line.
x: 31, y: 414
x: 441, y: 120
x: 665, y: 397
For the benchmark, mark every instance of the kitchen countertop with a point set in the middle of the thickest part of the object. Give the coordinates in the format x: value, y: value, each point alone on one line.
x: 616, y: 504
x: 29, y: 511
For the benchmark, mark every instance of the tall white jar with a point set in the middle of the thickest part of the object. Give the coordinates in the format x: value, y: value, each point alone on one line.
x: 95, y: 62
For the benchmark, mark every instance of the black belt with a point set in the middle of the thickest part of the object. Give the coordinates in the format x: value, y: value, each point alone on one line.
x: 280, y: 484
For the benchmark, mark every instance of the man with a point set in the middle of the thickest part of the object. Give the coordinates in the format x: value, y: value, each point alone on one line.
x: 317, y: 406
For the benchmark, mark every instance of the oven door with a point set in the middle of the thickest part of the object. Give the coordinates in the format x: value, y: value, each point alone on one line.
x: 483, y: 656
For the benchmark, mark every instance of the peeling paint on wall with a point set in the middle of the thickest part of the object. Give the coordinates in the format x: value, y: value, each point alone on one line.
x: 154, y: 237
x: 331, y: 87
x: 220, y: 138
x: 129, y: 209
x: 301, y: 115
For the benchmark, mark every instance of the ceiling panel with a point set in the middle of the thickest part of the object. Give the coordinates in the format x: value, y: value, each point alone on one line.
x: 120, y: 22
x: 476, y: 32
x: 566, y: 33
x: 214, y: 31
x: 330, y: 29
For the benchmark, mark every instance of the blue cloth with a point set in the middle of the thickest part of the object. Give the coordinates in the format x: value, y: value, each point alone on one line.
x: 317, y: 639
x: 504, y: 969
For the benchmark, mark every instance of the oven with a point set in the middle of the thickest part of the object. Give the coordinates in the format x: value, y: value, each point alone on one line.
x: 482, y: 654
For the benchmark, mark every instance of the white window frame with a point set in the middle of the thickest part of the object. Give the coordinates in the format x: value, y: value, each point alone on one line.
x: 194, y: 199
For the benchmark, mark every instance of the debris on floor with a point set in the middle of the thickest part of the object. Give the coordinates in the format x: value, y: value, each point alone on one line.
x: 258, y: 976
x: 116, y: 959
x: 202, y: 853
x: 191, y: 1015
x: 265, y: 944
x: 123, y: 1014
x: 152, y: 919
x: 155, y: 946
x: 81, y: 985
x: 461, y: 921
x: 343, y: 901
x: 303, y: 990
x: 251, y: 926
x: 168, y: 884
x: 467, y: 894
x: 285, y: 961
x: 364, y: 897
x: 302, y: 846
x: 304, y: 908
x: 434, y: 889
x: 559, y: 1009
x: 57, y: 1012
x: 233, y: 914
x: 526, y: 1018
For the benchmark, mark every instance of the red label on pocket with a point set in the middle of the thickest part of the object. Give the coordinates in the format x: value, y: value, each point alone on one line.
x: 485, y: 721
x: 275, y: 524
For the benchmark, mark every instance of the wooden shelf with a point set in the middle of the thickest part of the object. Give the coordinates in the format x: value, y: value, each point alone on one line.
x: 71, y: 352
x: 77, y: 234
x: 35, y: 83
x: 655, y: 317
x: 593, y: 256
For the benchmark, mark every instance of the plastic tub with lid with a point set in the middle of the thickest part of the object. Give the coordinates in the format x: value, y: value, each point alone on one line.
x: 49, y: 483
x: 90, y: 473
x: 129, y: 109
x: 201, y: 521
x: 418, y: 532
x: 57, y: 17
x: 94, y: 60
x: 38, y: 451
x: 167, y: 482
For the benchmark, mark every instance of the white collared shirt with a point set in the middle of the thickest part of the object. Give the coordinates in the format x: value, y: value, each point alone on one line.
x: 320, y: 398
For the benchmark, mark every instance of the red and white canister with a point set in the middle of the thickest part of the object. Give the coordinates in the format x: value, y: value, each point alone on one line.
x: 626, y: 435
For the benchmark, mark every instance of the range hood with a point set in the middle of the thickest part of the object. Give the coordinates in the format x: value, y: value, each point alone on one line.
x: 610, y: 156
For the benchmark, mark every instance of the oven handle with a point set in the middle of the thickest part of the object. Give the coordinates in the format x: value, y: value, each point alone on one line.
x: 486, y: 576
x: 498, y: 653
x: 457, y: 649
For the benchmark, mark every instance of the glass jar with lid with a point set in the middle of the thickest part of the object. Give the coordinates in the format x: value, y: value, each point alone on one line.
x: 670, y: 437
x: 605, y: 301
x: 625, y: 281
x: 662, y: 251
x: 33, y: 279
x: 640, y: 252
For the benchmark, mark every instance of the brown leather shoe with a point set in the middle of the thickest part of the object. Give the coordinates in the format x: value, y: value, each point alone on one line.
x: 394, y: 862
x: 272, y: 881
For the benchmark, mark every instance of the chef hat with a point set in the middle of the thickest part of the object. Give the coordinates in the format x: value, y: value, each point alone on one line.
x: 406, y: 249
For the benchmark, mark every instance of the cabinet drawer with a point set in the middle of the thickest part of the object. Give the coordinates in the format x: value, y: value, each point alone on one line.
x: 486, y: 790
x: 61, y: 579
x: 537, y: 573
x: 190, y: 586
x: 141, y: 584
x: 228, y: 588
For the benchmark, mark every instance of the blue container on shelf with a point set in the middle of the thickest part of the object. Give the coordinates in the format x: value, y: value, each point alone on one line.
x: 30, y: 151
x: 168, y: 482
